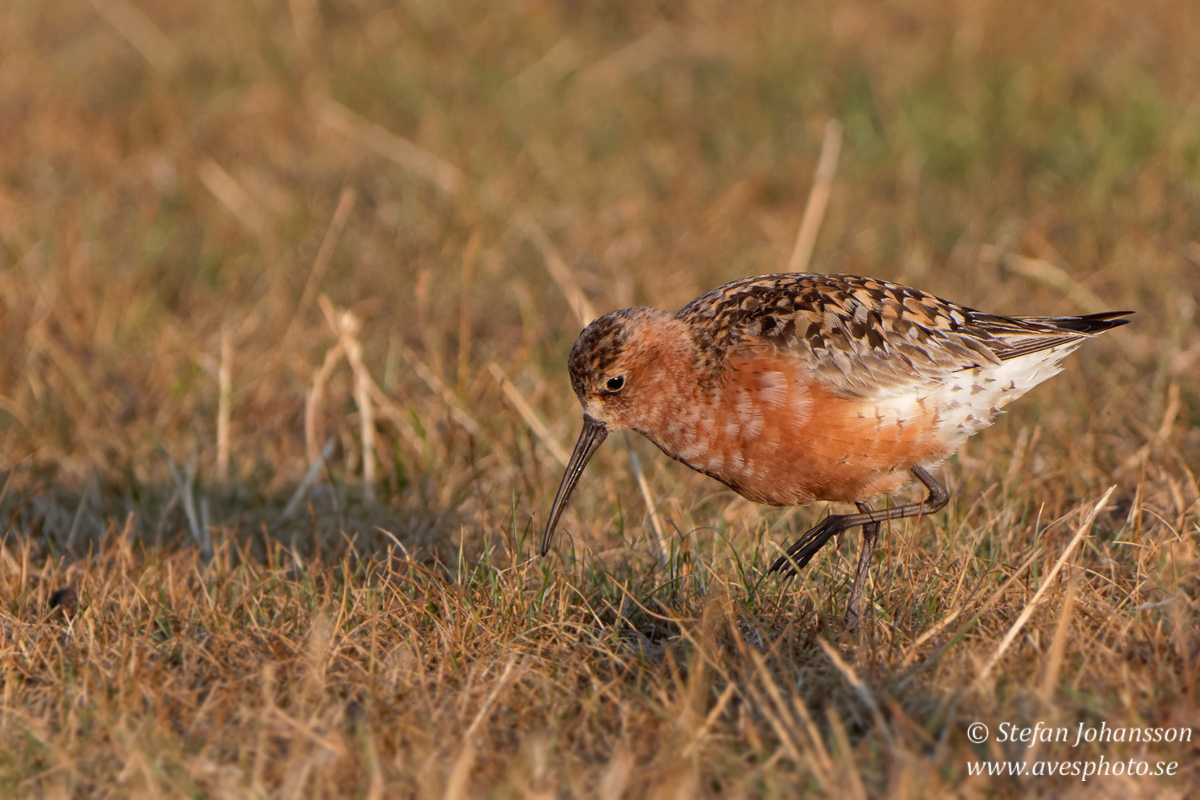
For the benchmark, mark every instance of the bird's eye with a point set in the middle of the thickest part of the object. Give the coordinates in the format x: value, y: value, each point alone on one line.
x: 615, y: 384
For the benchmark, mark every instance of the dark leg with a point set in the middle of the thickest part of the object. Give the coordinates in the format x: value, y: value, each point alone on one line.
x: 870, y: 536
x: 804, y: 548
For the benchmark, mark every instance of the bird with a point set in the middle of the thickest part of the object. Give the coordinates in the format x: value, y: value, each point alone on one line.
x: 796, y: 388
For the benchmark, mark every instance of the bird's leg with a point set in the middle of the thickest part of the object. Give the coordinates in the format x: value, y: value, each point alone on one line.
x: 870, y: 536
x: 804, y: 548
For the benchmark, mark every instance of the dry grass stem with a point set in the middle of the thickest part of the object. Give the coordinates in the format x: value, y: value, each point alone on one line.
x: 324, y: 255
x: 346, y: 326
x: 558, y: 269
x: 1043, y: 272
x: 141, y: 33
x: 661, y: 546
x: 860, y: 688
x: 1054, y: 660
x: 224, y: 404
x: 636, y: 57
x: 818, y: 198
x: 185, y: 488
x: 240, y: 203
x: 447, y: 396
x: 1046, y: 582
x: 464, y: 308
x: 314, y: 398
x: 420, y: 162
x: 366, y: 415
x: 529, y: 415
x: 306, y: 483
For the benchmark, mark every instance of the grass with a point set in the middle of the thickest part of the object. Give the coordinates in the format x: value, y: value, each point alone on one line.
x: 222, y: 224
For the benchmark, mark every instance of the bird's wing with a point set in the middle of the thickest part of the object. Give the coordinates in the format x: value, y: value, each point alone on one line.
x: 867, y: 338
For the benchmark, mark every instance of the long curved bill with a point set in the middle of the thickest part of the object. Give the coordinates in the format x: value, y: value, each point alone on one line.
x: 590, y: 439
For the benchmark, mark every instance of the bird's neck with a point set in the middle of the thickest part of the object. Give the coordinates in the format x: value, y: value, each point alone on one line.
x: 683, y: 390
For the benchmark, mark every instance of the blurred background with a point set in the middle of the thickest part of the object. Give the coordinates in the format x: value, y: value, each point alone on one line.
x: 225, y: 224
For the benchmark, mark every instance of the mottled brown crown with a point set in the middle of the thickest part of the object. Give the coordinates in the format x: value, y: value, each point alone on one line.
x: 597, y: 349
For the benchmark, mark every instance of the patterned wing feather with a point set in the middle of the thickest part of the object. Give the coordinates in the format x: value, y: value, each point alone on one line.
x: 868, y: 338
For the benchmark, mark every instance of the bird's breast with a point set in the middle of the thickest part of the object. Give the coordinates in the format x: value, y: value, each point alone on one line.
x: 771, y: 432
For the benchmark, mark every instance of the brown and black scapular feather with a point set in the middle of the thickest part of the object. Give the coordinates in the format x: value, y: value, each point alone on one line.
x: 865, y: 335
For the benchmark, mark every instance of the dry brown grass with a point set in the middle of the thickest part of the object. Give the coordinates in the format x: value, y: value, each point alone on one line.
x: 181, y: 184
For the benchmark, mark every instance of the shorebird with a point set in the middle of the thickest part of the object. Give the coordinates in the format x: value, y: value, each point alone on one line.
x: 796, y: 388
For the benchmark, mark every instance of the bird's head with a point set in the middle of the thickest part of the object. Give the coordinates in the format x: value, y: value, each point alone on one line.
x: 625, y: 368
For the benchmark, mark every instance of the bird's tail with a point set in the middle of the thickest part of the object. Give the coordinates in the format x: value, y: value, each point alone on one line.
x: 1088, y: 323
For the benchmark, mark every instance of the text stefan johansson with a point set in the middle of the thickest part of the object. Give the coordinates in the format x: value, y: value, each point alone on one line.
x: 1009, y: 732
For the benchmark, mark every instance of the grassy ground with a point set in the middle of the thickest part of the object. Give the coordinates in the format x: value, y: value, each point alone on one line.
x: 223, y: 223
